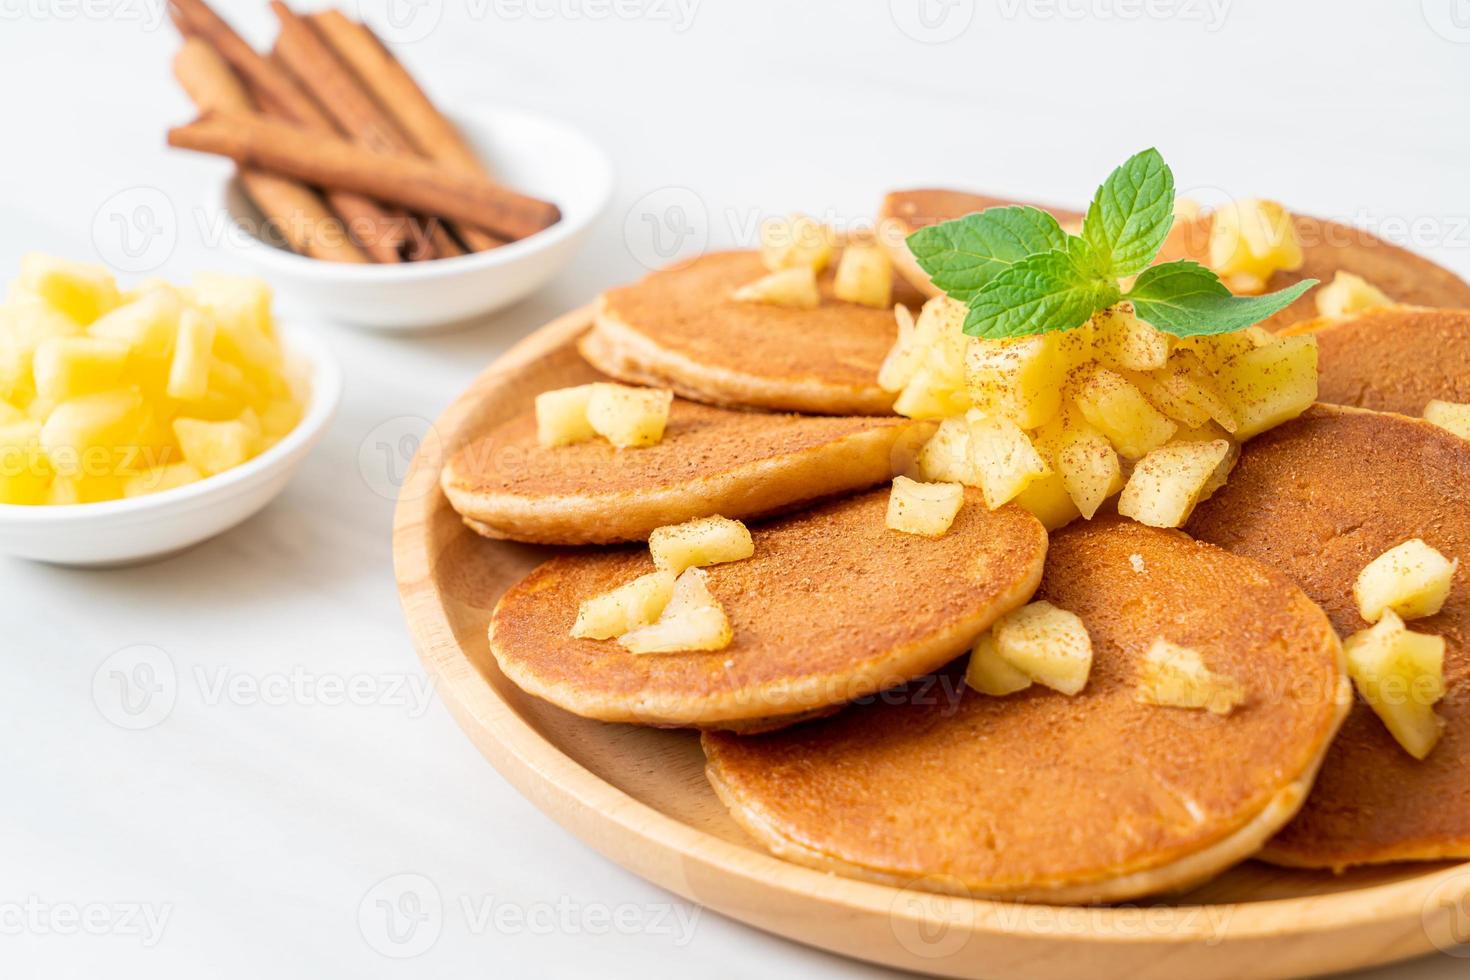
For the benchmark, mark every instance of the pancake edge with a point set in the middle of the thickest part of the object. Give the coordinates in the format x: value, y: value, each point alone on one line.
x: 618, y: 349
x: 795, y: 700
x: 1193, y: 869
x: 755, y: 489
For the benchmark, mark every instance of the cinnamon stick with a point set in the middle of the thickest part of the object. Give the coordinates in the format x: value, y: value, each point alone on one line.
x: 381, y: 235
x: 329, y: 161
x: 385, y: 78
x: 295, y: 210
x: 317, y: 68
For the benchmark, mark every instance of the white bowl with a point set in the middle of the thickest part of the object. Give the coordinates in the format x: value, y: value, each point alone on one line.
x: 532, y: 154
x: 116, y: 532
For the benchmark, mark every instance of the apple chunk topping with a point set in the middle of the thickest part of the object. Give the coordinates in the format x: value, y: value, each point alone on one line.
x: 1176, y: 677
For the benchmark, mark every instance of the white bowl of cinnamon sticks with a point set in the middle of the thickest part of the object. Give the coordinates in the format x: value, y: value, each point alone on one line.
x: 357, y: 196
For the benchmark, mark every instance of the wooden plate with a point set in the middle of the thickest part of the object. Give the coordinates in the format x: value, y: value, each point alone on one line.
x: 639, y: 795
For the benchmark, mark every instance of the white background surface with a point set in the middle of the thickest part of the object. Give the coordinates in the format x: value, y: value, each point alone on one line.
x: 259, y: 822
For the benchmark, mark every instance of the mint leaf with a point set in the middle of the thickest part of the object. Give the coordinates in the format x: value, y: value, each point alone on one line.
x: 961, y: 256
x: 1043, y: 292
x: 1131, y: 214
x: 1188, y: 300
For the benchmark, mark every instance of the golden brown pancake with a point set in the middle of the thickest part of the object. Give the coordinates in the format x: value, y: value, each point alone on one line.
x: 711, y: 461
x: 1393, y: 360
x: 679, y: 328
x: 1327, y: 249
x: 1318, y: 498
x: 833, y: 606
x: 1042, y: 797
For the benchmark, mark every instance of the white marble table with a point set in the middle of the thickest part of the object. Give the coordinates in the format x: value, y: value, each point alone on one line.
x: 237, y: 826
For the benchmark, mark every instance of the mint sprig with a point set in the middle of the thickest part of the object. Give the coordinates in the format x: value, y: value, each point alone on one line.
x: 1021, y: 274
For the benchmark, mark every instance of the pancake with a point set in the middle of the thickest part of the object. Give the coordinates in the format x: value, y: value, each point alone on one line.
x: 1327, y: 249
x: 1318, y: 498
x: 833, y: 606
x: 711, y: 461
x: 1041, y: 797
x: 1393, y: 360
x: 678, y: 328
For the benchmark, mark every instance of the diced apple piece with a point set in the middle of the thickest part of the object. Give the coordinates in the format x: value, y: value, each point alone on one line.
x: 693, y: 620
x: 1173, y: 676
x: 1088, y: 464
x: 905, y: 356
x: 561, y: 416
x: 1162, y: 397
x: 1210, y: 432
x: 1249, y: 240
x: 864, y: 275
x: 239, y: 303
x: 1412, y: 579
x: 1186, y: 379
x: 80, y: 290
x: 797, y: 242
x: 160, y: 478
x: 1401, y: 676
x: 945, y: 458
x: 1122, y: 341
x: 1450, y: 416
x: 1270, y: 385
x: 213, y: 447
x: 703, y: 541
x: 1166, y: 484
x: 1048, y: 500
x: 188, y: 375
x: 9, y: 414
x: 1004, y: 458
x: 1119, y: 410
x: 103, y: 420
x: 925, y: 509
x: 629, y: 606
x: 24, y: 470
x: 989, y: 673
x: 929, y: 396
x: 1020, y: 379
x: 1213, y: 350
x: 68, y: 367
x: 795, y: 288
x: 1047, y: 644
x: 147, y: 325
x: 1347, y: 294
x: 629, y: 417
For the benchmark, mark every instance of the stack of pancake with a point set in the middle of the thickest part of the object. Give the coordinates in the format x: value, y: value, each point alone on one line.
x: 837, y: 724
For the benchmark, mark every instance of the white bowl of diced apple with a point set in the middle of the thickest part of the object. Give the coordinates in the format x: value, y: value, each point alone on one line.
x: 80, y: 415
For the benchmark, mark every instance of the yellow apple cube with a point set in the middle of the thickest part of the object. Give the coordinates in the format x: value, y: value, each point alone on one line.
x: 1004, y: 458
x: 1401, y: 677
x: 989, y: 673
x: 905, y: 356
x: 629, y: 417
x: 188, y: 374
x: 864, y: 275
x: 1084, y: 459
x: 629, y: 606
x: 1185, y: 380
x: 1020, y: 379
x: 1047, y: 644
x: 1411, y: 579
x: 213, y: 447
x: 692, y: 620
x: 157, y: 479
x: 1048, y: 500
x: 925, y: 509
x: 1450, y: 416
x: 147, y: 325
x: 1348, y: 294
x: 796, y: 242
x: 561, y: 416
x: 1251, y: 239
x: 24, y: 469
x: 1119, y: 411
x: 703, y: 541
x: 795, y: 288
x: 80, y: 290
x: 1270, y: 385
x: 91, y: 423
x: 945, y: 458
x: 1124, y: 342
x: 1166, y: 484
x: 1176, y: 677
x: 69, y: 367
